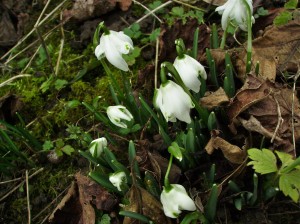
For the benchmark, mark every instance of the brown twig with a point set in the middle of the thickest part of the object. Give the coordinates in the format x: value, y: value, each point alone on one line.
x: 280, y: 120
x: 293, y: 109
x: 28, y: 199
x: 19, y: 185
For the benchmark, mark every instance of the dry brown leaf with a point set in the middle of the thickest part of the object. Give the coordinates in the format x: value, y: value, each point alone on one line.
x: 215, y: 99
x: 168, y: 35
x: 160, y: 165
x: 8, y: 33
x: 276, y: 50
x: 253, y: 90
x: 141, y: 201
x: 215, y: 2
x: 77, y: 206
x: 265, y: 107
x: 232, y: 153
x: 87, y: 9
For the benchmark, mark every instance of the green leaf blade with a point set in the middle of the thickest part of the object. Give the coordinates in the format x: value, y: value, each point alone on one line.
x: 263, y: 161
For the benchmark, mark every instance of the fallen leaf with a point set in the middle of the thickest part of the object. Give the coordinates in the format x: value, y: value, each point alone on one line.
x: 215, y: 99
x: 87, y: 9
x: 77, y: 206
x: 168, y: 35
x: 141, y: 201
x: 276, y: 50
x: 252, y: 91
x: 266, y: 107
x: 232, y: 153
x: 8, y: 33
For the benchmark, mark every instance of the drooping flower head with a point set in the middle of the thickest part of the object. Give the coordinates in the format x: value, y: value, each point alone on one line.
x: 120, y: 116
x: 173, y: 102
x: 176, y: 199
x: 97, y: 145
x: 189, y: 69
x: 235, y: 10
x: 118, y: 179
x: 112, y: 45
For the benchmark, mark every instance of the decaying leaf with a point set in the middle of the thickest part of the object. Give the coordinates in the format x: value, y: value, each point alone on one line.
x: 160, y: 165
x: 9, y: 105
x: 142, y: 202
x: 87, y: 9
x: 276, y: 50
x: 185, y: 31
x: 232, y: 153
x: 214, y: 99
x: 78, y: 205
x: 265, y: 107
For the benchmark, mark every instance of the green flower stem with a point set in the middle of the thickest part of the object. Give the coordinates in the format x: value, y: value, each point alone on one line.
x: 166, y: 180
x: 249, y: 41
x: 163, y: 77
x: 115, y: 85
x: 224, y: 36
x: 202, y: 111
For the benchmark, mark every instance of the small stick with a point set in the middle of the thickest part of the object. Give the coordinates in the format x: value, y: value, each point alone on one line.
x: 51, y: 203
x: 154, y: 10
x: 20, y: 184
x: 280, y: 120
x: 62, y: 41
x: 46, y: 50
x: 13, y: 78
x: 136, y: 2
x: 293, y: 110
x: 28, y: 199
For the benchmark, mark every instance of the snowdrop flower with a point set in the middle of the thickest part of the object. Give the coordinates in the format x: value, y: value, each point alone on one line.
x: 117, y: 179
x: 112, y: 45
x: 97, y: 145
x: 235, y: 10
x: 173, y: 102
x: 120, y: 116
x: 176, y: 199
x: 189, y: 69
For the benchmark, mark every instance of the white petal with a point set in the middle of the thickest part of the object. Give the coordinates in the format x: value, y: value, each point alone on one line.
x: 176, y: 102
x: 122, y: 42
x: 99, y: 50
x: 115, y: 58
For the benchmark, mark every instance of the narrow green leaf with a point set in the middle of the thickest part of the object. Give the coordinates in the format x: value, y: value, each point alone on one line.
x: 103, y: 181
x: 135, y: 215
x: 211, y: 206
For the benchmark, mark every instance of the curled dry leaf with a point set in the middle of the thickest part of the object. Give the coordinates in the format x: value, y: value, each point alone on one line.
x: 87, y: 9
x: 232, y: 153
x: 276, y: 50
x: 215, y: 99
x: 142, y: 202
x: 77, y: 206
x: 266, y: 107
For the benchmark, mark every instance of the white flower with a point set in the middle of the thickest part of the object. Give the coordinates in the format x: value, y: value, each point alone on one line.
x: 97, y: 145
x: 119, y: 116
x: 235, y: 10
x: 189, y: 69
x: 112, y: 46
x: 117, y: 179
x: 175, y: 200
x: 173, y: 102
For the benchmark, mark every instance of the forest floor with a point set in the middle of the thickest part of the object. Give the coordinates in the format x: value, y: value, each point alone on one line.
x: 50, y: 73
